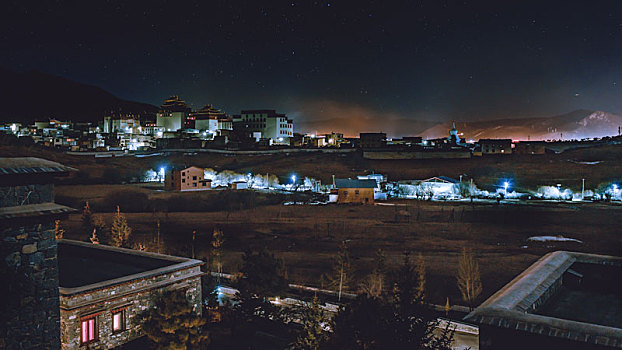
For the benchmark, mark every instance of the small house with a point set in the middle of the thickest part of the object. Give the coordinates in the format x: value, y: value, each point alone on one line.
x: 239, y: 185
x: 189, y: 179
x: 355, y: 191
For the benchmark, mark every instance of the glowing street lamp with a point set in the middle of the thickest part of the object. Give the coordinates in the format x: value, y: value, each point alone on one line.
x: 293, y: 179
x: 505, y: 187
x: 162, y: 172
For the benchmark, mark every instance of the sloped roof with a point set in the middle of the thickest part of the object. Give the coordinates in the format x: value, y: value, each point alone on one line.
x: 441, y: 179
x: 354, y: 183
x: 32, y: 210
x: 31, y: 165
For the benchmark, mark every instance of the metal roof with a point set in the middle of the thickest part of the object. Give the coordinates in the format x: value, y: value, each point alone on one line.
x: 354, y: 183
x: 31, y: 165
x: 442, y: 179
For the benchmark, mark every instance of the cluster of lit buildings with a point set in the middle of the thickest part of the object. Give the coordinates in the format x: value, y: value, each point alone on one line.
x: 175, y: 125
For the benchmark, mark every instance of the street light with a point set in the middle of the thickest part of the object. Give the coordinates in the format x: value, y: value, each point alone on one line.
x: 505, y: 187
x: 162, y: 171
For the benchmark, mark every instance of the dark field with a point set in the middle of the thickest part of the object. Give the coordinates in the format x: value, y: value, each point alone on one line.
x: 525, y: 172
x: 306, y: 237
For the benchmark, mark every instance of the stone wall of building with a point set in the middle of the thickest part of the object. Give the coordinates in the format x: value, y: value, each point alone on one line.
x: 134, y: 297
x: 17, y: 195
x: 30, y: 299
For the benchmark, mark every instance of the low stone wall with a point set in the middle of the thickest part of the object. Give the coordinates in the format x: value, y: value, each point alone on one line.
x: 379, y: 155
x: 30, y: 316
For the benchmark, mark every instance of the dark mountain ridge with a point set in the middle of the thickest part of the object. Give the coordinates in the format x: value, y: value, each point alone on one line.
x: 33, y: 95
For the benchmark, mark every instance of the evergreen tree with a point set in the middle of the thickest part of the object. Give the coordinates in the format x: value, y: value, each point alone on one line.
x: 421, y: 272
x: 99, y: 225
x: 172, y: 324
x: 397, y: 320
x: 314, y: 323
x: 120, y: 231
x: 58, y: 230
x: 87, y: 217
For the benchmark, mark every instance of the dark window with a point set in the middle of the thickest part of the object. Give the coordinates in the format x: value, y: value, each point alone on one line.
x: 356, y: 191
x: 183, y: 180
x: 194, y: 178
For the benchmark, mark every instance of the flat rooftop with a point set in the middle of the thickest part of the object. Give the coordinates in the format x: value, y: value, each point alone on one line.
x: 568, y: 295
x: 84, y: 266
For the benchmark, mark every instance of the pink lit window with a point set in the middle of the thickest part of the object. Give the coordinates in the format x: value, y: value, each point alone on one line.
x: 88, y: 332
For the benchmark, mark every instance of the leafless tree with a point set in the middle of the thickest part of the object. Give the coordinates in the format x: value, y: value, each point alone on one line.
x: 469, y: 280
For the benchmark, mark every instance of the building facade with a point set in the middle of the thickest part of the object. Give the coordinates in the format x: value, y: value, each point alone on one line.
x: 28, y: 251
x: 189, y: 179
x: 103, y: 290
x: 495, y: 146
x: 373, y: 140
x: 267, y: 122
x: 173, y: 115
x: 530, y: 147
x: 355, y: 191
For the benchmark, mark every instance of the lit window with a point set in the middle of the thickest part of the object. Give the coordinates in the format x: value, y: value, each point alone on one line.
x: 118, y: 321
x: 88, y: 332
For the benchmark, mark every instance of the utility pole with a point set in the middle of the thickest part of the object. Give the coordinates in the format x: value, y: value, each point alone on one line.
x: 340, y: 281
x: 194, y: 237
x: 582, y: 189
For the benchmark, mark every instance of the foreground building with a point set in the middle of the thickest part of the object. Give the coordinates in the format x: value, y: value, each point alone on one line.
x: 565, y: 300
x: 28, y: 261
x: 103, y: 289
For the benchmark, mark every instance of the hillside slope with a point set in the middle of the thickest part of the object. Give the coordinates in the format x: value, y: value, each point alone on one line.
x: 34, y: 95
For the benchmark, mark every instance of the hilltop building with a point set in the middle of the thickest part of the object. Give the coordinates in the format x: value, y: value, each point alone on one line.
x: 173, y: 114
x: 372, y: 140
x: 206, y: 118
x: 121, y: 124
x: 495, y: 146
x: 530, y: 147
x: 266, y: 124
x: 28, y: 264
x: 565, y: 300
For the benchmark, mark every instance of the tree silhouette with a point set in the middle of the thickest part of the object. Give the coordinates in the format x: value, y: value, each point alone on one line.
x: 120, y: 231
x: 172, y: 323
x: 314, y: 323
x: 87, y: 217
x: 59, y: 231
x: 469, y: 280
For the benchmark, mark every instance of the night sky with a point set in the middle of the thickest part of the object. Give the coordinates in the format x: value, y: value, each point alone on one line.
x: 317, y: 60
